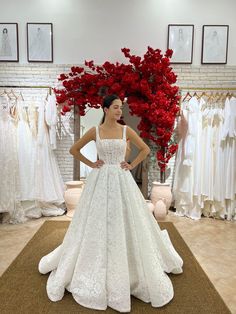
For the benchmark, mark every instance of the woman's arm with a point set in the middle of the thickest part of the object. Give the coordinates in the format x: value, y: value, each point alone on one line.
x: 128, y: 150
x: 89, y: 136
x: 144, y: 150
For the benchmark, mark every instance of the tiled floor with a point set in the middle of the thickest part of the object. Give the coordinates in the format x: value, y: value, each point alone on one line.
x: 213, y: 242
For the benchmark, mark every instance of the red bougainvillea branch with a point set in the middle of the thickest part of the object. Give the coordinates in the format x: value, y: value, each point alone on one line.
x: 146, y: 82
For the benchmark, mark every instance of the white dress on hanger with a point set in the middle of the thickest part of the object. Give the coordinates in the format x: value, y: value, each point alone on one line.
x: 185, y: 162
x: 218, y: 187
x: 9, y: 167
x: 207, y: 154
x: 229, y: 137
x: 51, y: 118
x: 229, y: 142
x: 113, y: 247
x: 198, y: 152
x: 25, y: 154
x: 182, y: 172
x: 49, y: 184
x: 229, y: 128
x: 190, y: 141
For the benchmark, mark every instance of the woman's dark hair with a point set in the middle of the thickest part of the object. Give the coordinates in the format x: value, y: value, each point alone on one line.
x: 5, y: 31
x: 107, y: 101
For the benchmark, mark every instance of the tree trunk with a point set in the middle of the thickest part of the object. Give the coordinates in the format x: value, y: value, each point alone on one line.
x: 76, y: 170
x: 163, y: 176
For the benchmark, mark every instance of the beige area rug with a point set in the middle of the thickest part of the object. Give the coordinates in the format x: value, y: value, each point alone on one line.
x: 22, y: 287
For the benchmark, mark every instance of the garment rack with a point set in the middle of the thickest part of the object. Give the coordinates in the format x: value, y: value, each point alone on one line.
x: 181, y: 88
x: 185, y: 89
x: 28, y: 86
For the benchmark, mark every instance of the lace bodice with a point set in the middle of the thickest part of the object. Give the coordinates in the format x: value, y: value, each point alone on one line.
x: 111, y: 151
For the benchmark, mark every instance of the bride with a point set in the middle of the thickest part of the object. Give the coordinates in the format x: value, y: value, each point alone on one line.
x: 113, y: 247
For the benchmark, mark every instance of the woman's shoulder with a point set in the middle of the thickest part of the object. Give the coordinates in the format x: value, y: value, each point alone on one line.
x: 91, y: 133
x: 129, y: 129
x: 92, y: 129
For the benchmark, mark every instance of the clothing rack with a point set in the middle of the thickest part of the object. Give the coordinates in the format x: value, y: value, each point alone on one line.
x: 183, y: 88
x: 200, y: 89
x: 28, y: 86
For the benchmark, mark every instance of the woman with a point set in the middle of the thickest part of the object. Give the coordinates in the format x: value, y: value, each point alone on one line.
x: 113, y: 247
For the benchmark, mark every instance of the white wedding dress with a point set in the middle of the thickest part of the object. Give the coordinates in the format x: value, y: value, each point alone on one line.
x: 113, y: 247
x: 9, y: 168
x: 25, y: 155
x: 49, y: 186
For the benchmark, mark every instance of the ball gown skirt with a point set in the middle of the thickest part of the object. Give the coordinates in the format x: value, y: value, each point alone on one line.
x: 113, y: 247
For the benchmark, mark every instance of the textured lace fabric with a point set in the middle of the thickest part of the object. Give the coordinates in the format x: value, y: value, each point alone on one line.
x: 9, y: 168
x: 113, y: 247
x: 111, y: 151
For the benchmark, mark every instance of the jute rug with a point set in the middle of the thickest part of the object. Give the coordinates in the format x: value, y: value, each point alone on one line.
x: 22, y: 287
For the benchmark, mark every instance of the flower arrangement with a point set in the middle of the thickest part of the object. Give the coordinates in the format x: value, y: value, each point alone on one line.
x: 146, y: 82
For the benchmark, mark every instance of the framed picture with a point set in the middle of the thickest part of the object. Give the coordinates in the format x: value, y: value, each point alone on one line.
x: 214, y: 44
x: 9, y: 48
x: 180, y: 40
x: 39, y: 42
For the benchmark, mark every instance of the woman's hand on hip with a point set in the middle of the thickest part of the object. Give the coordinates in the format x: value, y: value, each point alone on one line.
x: 125, y: 165
x: 98, y: 164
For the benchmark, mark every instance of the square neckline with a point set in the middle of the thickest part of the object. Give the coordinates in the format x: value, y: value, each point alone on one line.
x: 111, y: 139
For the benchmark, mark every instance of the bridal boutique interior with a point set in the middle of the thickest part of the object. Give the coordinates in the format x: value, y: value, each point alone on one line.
x: 39, y: 176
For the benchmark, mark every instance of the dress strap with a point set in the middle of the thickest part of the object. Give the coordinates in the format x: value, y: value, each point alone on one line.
x: 97, y: 134
x: 124, y: 132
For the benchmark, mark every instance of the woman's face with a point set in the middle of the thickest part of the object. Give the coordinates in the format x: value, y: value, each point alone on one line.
x: 115, y: 110
x: 4, y: 31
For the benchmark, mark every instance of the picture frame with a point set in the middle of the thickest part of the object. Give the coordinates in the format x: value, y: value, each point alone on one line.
x: 40, y: 42
x: 9, y: 43
x: 214, y: 44
x: 180, y: 40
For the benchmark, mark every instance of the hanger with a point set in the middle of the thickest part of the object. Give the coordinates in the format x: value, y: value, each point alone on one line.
x: 221, y: 97
x: 188, y: 94
x: 12, y: 92
x: 4, y: 93
x: 8, y: 93
x: 210, y: 96
x: 228, y: 95
x: 203, y: 94
x: 217, y: 97
x: 22, y: 96
x: 196, y: 95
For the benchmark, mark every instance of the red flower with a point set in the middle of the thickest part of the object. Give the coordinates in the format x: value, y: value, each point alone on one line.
x: 62, y: 77
x: 115, y: 88
x: 65, y: 109
x: 126, y: 52
x: 168, y: 53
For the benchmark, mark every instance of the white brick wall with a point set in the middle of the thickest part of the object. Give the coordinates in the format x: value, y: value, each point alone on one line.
x: 41, y: 74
